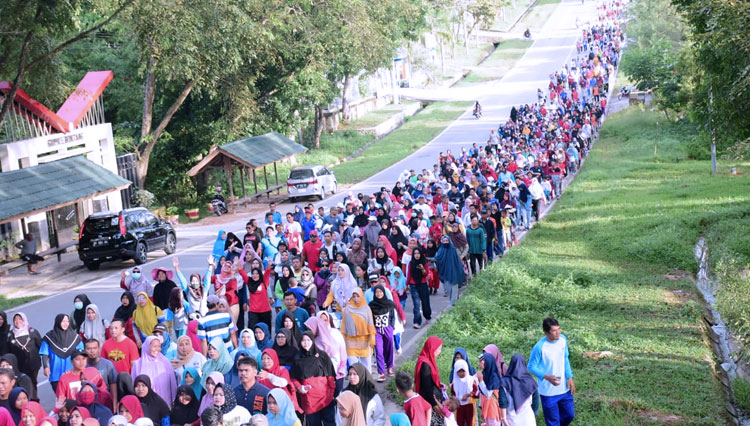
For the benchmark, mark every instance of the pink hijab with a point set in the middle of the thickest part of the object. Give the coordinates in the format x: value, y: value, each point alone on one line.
x: 159, y: 370
x: 502, y: 367
x: 192, y: 333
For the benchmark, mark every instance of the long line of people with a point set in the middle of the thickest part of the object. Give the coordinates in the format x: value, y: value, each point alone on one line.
x: 285, y: 321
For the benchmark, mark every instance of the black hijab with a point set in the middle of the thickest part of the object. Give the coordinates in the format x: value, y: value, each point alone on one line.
x: 518, y: 382
x: 162, y: 291
x: 419, y: 276
x: 365, y: 389
x: 289, y: 351
x: 4, y: 330
x: 312, y: 363
x: 184, y: 414
x: 126, y: 312
x: 15, y: 413
x: 397, y: 238
x: 153, y: 405
x: 79, y: 315
x: 230, y: 399
x: 63, y: 342
x: 296, y: 332
x: 383, y: 305
x: 284, y: 281
x: 252, y: 285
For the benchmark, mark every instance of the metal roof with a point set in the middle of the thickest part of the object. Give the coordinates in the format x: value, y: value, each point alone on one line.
x: 37, y: 189
x: 254, y: 152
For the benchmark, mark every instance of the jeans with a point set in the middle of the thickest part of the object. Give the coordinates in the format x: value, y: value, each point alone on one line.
x: 525, y: 214
x: 420, y: 294
x: 559, y: 410
x: 501, y: 244
x: 557, y: 181
x: 324, y: 417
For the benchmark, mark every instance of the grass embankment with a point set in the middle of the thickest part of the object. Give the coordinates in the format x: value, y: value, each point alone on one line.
x: 376, y: 116
x: 498, y: 63
x: 538, y: 16
x: 509, y: 14
x: 612, y: 262
x: 7, y: 304
x: 416, y: 132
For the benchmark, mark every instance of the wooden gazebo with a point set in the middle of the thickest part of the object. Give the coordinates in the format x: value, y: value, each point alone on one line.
x: 249, y: 155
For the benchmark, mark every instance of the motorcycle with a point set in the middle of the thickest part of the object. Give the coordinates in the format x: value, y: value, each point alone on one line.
x: 219, y: 205
x: 623, y: 93
x: 527, y: 34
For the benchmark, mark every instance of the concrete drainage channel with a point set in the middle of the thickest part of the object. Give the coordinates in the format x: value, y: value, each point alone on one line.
x: 722, y: 342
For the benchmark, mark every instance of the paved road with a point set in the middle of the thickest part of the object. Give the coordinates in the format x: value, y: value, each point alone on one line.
x: 551, y: 49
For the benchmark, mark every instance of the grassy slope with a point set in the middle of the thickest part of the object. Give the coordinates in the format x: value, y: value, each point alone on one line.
x: 500, y: 62
x: 598, y: 263
x: 6, y: 304
x: 538, y: 16
x: 415, y: 133
x: 376, y: 116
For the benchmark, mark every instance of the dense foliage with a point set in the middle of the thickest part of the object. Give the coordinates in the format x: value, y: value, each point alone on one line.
x: 695, y: 55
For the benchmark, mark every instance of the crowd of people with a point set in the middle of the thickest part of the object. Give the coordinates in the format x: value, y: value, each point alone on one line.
x: 296, y: 322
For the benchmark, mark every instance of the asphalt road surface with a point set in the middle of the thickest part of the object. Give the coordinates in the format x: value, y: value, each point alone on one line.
x: 552, y: 47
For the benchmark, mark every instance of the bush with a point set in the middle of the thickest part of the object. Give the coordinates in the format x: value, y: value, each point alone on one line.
x: 143, y: 198
x: 742, y: 394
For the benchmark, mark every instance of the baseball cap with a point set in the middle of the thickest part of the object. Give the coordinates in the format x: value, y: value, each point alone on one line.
x: 313, y: 233
x: 160, y: 327
x: 76, y: 353
x: 373, y: 277
x: 212, y: 299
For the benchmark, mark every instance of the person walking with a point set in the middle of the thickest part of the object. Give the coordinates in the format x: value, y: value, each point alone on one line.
x: 550, y: 364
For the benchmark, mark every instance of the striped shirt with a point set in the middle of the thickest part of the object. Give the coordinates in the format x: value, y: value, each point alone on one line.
x: 217, y: 324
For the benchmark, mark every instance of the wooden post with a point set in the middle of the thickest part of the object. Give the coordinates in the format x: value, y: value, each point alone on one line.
x: 228, y: 171
x: 255, y: 181
x: 276, y: 172
x: 265, y: 177
x: 242, y: 178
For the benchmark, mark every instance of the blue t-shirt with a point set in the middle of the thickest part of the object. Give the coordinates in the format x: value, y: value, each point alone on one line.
x: 57, y: 366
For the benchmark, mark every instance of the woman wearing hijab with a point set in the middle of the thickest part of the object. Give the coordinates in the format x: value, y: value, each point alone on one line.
x: 130, y: 408
x: 32, y: 414
x: 492, y: 349
x: 210, y: 385
x: 416, y: 280
x: 427, y: 377
x: 88, y: 397
x: 384, y: 320
x: 263, y: 337
x: 195, y: 289
x: 233, y: 248
x: 136, y: 282
x: 313, y: 375
x: 273, y: 375
x: 191, y: 377
x: 94, y: 326
x: 400, y: 419
x: 226, y: 284
x: 362, y: 385
x: 286, y: 347
x: 185, y: 407
x: 289, y: 322
x: 126, y: 308
x: 381, y: 264
x: 117, y: 420
x: 176, y: 314
x: 465, y: 388
x: 218, y: 359
x: 4, y: 331
x: 281, y: 411
x: 154, y: 406
x: 358, y: 328
x: 519, y: 386
x: 307, y: 284
x: 16, y: 400
x: 328, y: 343
x: 157, y: 368
x: 357, y: 254
x: 187, y: 356
x: 259, y: 306
x: 341, y: 288
x: 57, y: 347
x: 218, y: 250
x: 192, y: 333
x: 145, y: 317
x: 80, y: 303
x: 350, y: 409
x: 247, y: 344
x: 22, y: 380
x: 226, y: 401
x: 494, y: 399
x: 24, y: 342
x: 460, y: 353
x: 398, y: 241
x: 450, y: 269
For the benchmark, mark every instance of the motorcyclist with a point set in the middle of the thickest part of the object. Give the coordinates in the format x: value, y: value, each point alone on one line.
x: 218, y: 200
x: 527, y: 33
x: 477, y: 109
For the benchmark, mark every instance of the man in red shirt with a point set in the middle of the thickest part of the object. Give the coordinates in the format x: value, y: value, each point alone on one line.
x: 311, y: 251
x: 119, y: 349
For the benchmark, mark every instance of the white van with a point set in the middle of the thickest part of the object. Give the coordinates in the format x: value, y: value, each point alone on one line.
x: 311, y: 180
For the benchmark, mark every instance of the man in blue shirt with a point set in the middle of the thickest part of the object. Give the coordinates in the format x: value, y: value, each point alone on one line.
x: 276, y: 215
x: 308, y: 224
x: 549, y: 363
x: 250, y: 394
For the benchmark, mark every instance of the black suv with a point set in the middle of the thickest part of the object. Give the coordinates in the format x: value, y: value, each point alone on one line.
x: 129, y: 234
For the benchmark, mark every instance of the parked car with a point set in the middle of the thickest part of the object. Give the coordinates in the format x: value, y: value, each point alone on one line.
x: 311, y: 180
x: 129, y: 234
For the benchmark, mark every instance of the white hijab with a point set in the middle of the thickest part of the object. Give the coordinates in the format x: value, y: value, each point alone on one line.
x: 462, y: 386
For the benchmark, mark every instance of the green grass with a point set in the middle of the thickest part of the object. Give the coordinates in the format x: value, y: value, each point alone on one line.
x: 6, y: 304
x: 375, y: 117
x: 498, y: 63
x: 742, y: 394
x: 538, y: 16
x: 462, y: 59
x: 416, y: 132
x: 512, y: 12
x: 604, y: 262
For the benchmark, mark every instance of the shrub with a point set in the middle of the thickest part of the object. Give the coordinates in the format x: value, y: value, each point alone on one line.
x: 143, y: 198
x: 733, y: 299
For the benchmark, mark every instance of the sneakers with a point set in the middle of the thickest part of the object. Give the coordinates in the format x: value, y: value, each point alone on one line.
x: 381, y: 378
x: 391, y: 373
x: 416, y: 326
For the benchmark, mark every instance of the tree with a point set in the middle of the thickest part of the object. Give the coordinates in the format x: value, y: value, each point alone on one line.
x: 32, y: 33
